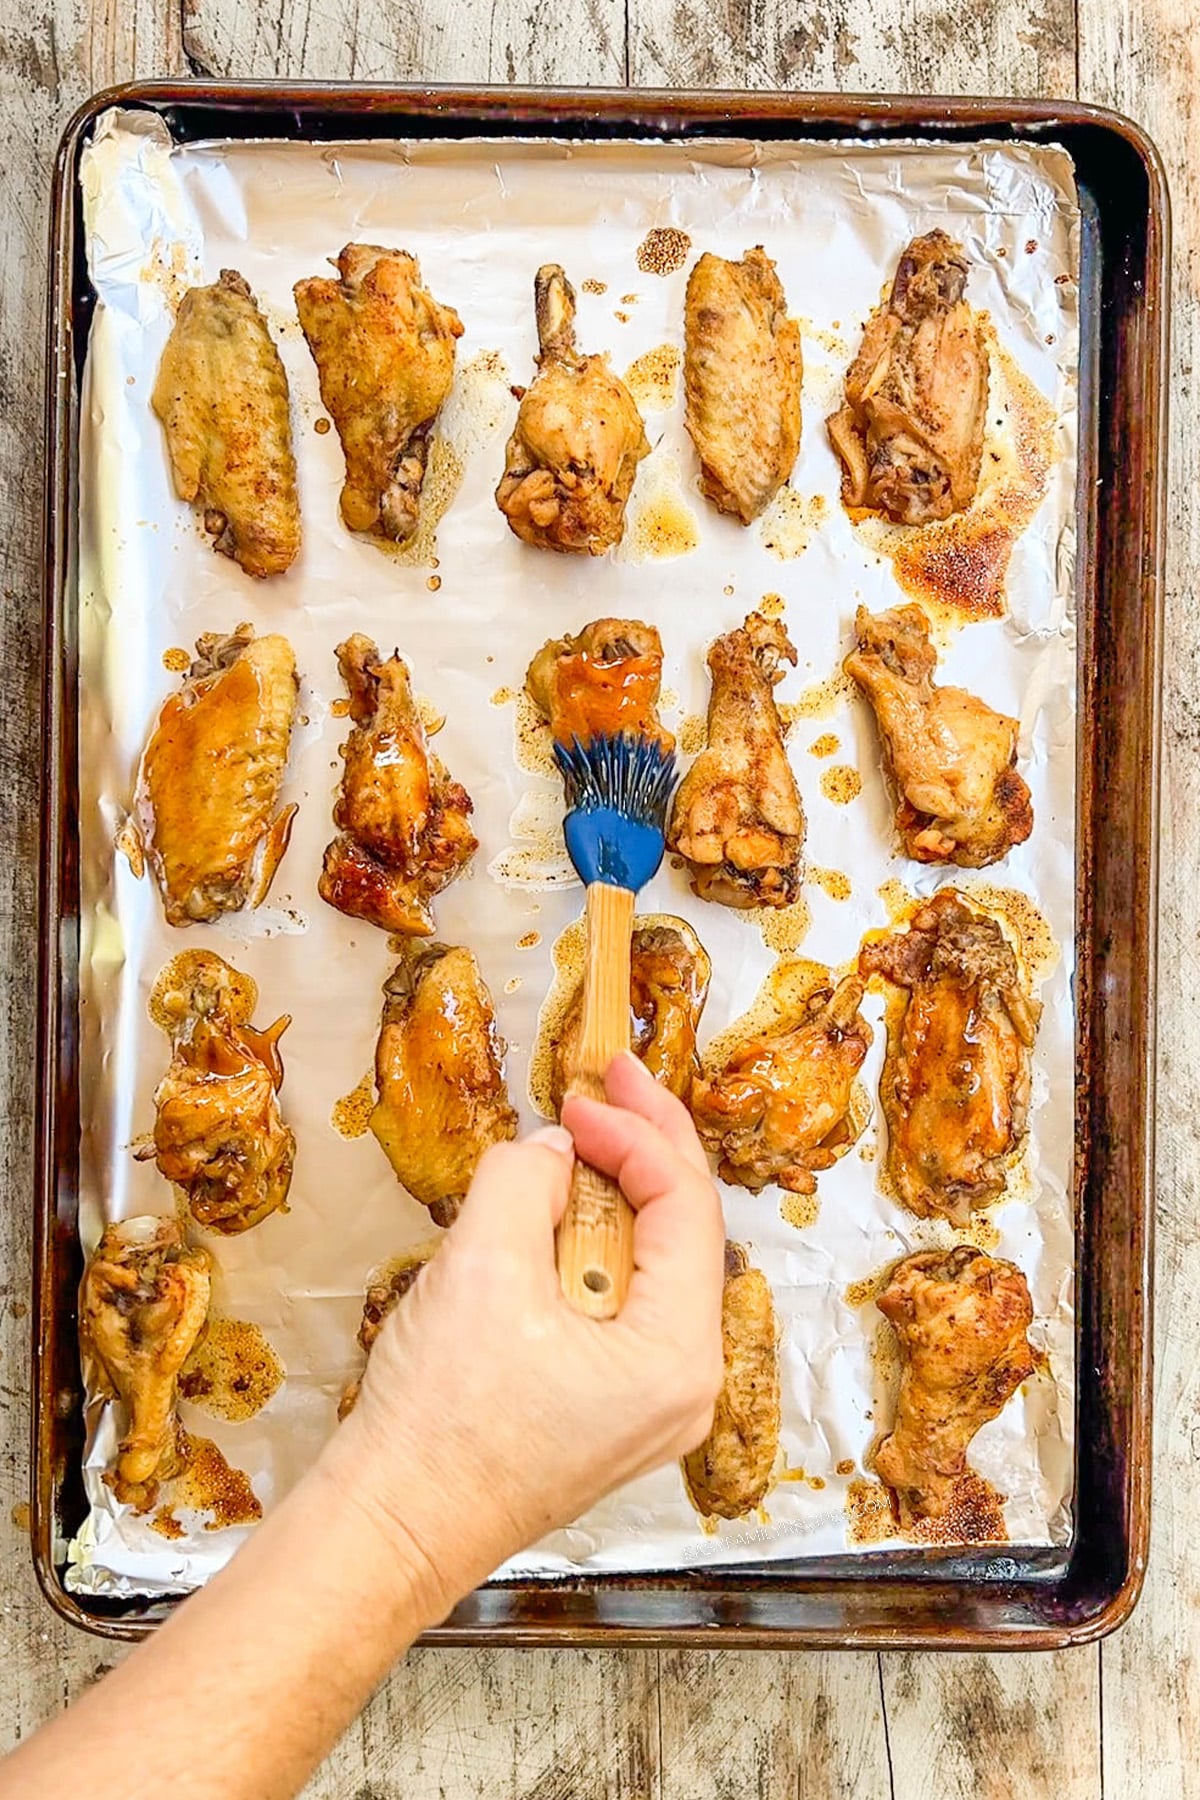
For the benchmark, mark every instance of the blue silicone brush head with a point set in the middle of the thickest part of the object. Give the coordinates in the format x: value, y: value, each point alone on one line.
x: 617, y: 793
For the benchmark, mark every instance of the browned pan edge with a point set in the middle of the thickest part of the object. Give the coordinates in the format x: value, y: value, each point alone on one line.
x: 905, y: 1599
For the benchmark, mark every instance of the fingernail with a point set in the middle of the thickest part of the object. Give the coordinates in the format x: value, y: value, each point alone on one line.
x: 552, y: 1137
x: 639, y: 1065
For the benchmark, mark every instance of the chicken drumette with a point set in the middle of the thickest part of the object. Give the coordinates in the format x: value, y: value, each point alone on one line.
x: 439, y: 1076
x: 384, y: 350
x: 951, y: 758
x: 404, y: 823
x: 910, y: 435
x: 578, y: 439
x: 730, y: 1472
x: 383, y: 1296
x: 742, y: 370
x: 779, y: 1108
x: 602, y: 682
x: 218, y: 1130
x: 222, y: 397
x: 668, y: 985
x: 211, y: 774
x: 143, y: 1304
x: 737, y: 819
x: 956, y: 1077
x: 960, y: 1318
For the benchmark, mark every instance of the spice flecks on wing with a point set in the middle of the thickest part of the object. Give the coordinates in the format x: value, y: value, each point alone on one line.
x: 383, y: 1296
x: 728, y: 1475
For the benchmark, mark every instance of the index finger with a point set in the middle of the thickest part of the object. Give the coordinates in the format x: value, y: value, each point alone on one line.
x: 629, y: 1083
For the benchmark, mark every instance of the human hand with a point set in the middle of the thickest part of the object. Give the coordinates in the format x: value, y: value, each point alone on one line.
x: 491, y: 1411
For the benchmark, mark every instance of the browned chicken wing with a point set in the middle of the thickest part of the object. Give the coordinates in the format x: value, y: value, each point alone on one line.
x: 602, y: 682
x: 577, y: 442
x: 222, y: 397
x: 730, y: 1472
x: 779, y: 1108
x: 910, y: 435
x: 439, y: 1076
x: 218, y: 1130
x: 742, y: 370
x: 960, y: 1318
x: 404, y: 823
x: 211, y: 774
x: 951, y: 758
x: 737, y: 819
x: 956, y: 1077
x: 142, y: 1307
x: 383, y: 1297
x: 384, y: 350
x: 668, y: 984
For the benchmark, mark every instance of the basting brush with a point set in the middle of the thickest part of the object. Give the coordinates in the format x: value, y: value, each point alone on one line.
x: 617, y: 792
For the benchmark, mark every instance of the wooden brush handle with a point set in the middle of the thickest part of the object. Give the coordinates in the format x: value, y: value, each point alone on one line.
x: 595, y: 1239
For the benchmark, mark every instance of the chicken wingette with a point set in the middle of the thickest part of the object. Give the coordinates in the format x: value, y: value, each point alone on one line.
x: 578, y: 439
x: 404, y: 824
x: 222, y: 397
x: 210, y: 777
x: 910, y: 435
x: 383, y: 1297
x: 603, y: 681
x: 742, y: 370
x: 951, y: 758
x: 779, y: 1107
x: 728, y: 1475
x: 960, y: 1319
x: 143, y: 1304
x: 956, y: 1077
x: 439, y: 1075
x: 737, y: 819
x: 384, y: 350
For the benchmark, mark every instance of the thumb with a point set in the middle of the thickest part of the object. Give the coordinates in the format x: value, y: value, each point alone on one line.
x: 519, y: 1193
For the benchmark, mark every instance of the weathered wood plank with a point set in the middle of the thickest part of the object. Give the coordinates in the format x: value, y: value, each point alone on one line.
x: 1142, y: 57
x: 895, y: 46
x: 380, y: 40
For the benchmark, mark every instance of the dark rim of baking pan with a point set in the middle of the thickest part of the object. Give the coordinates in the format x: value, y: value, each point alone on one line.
x: 988, y: 1598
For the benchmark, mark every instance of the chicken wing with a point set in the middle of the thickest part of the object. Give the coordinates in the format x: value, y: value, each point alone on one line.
x: 730, y: 1472
x: 439, y: 1076
x: 960, y: 1318
x: 668, y: 984
x: 222, y: 397
x: 211, y: 774
x: 910, y: 435
x: 384, y: 350
x: 404, y: 823
x: 956, y: 1076
x: 577, y: 442
x: 218, y: 1130
x: 779, y: 1108
x: 742, y: 370
x: 951, y: 759
x: 602, y: 682
x: 737, y: 818
x: 383, y: 1297
x: 143, y: 1304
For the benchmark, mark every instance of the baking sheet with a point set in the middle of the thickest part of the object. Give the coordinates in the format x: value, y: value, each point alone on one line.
x: 481, y: 217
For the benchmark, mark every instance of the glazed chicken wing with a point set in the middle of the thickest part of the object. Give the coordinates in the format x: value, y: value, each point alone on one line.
x: 910, y: 435
x: 405, y: 831
x: 960, y: 1318
x: 737, y: 819
x: 211, y: 774
x: 142, y: 1307
x: 730, y: 1472
x: 602, y: 682
x: 218, y: 1130
x: 742, y: 370
x: 384, y: 350
x: 577, y: 442
x: 439, y: 1076
x: 668, y: 985
x: 956, y: 1077
x: 383, y: 1297
x: 779, y: 1109
x: 222, y: 397
x: 951, y: 759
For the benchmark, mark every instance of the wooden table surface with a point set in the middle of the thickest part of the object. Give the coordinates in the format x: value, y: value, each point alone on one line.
x: 1121, y: 1720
